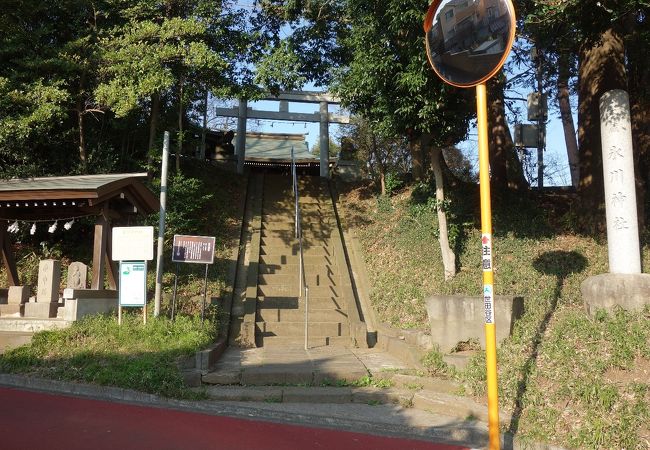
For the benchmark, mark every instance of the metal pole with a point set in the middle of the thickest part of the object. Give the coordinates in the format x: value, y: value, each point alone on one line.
x: 205, y: 292
x: 175, y: 290
x: 161, y: 224
x: 306, y: 318
x: 488, y: 274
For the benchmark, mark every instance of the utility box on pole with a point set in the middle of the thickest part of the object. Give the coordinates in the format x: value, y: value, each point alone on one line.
x: 526, y: 135
x: 537, y: 106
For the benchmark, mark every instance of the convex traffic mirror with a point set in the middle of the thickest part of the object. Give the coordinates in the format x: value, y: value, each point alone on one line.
x: 469, y: 40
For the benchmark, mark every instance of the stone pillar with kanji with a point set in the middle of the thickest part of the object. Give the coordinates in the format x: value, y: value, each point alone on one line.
x: 625, y: 285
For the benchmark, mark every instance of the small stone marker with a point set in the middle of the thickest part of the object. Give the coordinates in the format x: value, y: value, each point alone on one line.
x: 18, y: 295
x: 77, y: 275
x: 49, y: 274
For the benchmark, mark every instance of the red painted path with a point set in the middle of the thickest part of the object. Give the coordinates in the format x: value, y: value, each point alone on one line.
x: 30, y: 420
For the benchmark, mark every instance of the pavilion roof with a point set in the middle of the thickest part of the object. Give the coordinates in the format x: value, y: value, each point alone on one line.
x: 74, y: 196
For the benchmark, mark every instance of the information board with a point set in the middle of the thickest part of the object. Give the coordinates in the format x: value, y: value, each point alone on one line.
x: 132, y: 244
x: 193, y: 249
x: 133, y: 283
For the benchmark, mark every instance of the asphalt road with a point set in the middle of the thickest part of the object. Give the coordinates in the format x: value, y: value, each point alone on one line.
x: 31, y: 420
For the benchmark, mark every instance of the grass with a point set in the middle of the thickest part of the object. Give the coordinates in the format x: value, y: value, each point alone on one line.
x: 98, y: 350
x: 567, y: 379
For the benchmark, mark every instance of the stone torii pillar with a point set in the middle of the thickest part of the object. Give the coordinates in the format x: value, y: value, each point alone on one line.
x: 240, y: 143
x: 324, y: 141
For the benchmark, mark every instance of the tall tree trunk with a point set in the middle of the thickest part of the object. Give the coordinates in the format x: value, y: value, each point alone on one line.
x: 417, y: 158
x: 83, y: 156
x: 639, y: 86
x: 181, y: 82
x: 448, y: 255
x: 153, y: 124
x: 564, y: 104
x: 505, y: 167
x: 380, y: 165
x: 204, y: 131
x: 601, y: 69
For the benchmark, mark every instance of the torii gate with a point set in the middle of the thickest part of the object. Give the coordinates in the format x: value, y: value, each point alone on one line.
x: 324, y: 117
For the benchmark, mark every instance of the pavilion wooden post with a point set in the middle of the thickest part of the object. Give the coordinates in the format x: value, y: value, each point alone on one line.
x: 111, y: 265
x: 102, y: 230
x: 8, y: 255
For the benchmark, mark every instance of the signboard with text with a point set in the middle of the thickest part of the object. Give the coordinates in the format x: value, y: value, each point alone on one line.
x: 132, y: 244
x: 133, y: 283
x: 193, y: 249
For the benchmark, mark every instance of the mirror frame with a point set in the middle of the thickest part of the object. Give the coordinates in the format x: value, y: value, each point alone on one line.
x: 428, y: 24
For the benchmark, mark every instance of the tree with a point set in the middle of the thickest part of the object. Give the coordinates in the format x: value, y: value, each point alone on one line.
x: 611, y: 35
x: 388, y: 81
x: 51, y: 58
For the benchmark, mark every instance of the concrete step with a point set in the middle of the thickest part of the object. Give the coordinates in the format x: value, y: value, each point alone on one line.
x: 286, y: 207
x: 293, y: 259
x: 297, y: 315
x: 312, y: 218
x: 294, y: 250
x: 313, y: 341
x: 299, y: 304
x: 273, y: 241
x: 293, y: 279
x: 291, y: 329
x: 308, y: 236
x: 307, y: 216
x: 318, y: 272
x: 292, y: 291
x: 306, y: 226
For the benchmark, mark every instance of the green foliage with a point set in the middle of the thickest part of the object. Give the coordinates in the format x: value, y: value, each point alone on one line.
x: 98, y: 350
x: 280, y: 69
x: 393, y: 183
x: 388, y: 80
x: 369, y: 381
x: 435, y: 365
x: 186, y: 204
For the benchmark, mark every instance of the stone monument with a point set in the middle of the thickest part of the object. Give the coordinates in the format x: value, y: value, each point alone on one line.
x: 77, y: 275
x: 624, y: 285
x: 47, y: 294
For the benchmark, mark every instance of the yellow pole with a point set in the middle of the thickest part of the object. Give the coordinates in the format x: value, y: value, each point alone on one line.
x: 488, y: 274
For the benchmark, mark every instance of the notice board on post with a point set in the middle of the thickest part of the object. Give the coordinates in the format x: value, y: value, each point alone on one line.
x: 193, y: 249
x: 133, y: 283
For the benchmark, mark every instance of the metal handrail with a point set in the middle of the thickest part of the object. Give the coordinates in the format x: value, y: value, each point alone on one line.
x: 302, y: 281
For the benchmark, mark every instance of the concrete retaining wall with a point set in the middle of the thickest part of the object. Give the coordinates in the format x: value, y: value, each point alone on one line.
x: 457, y: 318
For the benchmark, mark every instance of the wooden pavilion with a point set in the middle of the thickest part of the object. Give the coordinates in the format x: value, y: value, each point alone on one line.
x: 110, y: 198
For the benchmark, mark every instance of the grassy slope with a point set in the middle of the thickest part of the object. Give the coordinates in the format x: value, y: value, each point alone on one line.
x: 568, y: 380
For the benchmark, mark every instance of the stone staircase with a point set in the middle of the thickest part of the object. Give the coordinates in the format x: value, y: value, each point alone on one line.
x: 280, y: 315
